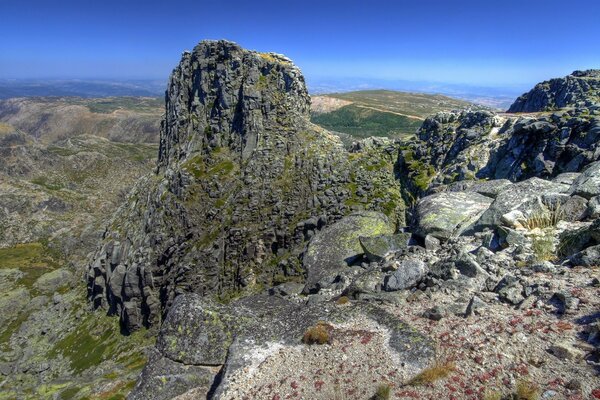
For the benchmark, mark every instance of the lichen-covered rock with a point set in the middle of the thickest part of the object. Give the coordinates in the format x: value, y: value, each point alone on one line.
x: 449, y: 214
x: 164, y: 379
x: 579, y: 88
x: 261, y: 324
x: 377, y: 247
x: 197, y: 331
x: 588, y: 183
x: 51, y: 281
x: 524, y: 196
x: 408, y: 273
x: 588, y: 257
x: 337, y: 246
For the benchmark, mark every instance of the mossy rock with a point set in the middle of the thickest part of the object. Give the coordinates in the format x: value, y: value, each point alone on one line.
x: 337, y: 246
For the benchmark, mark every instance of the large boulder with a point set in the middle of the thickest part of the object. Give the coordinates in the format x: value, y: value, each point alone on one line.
x: 163, y: 379
x: 331, y: 250
x: 524, y: 196
x: 449, y: 214
x: 377, y: 247
x: 588, y: 183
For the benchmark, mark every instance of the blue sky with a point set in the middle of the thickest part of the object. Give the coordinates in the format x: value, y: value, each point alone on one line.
x: 486, y: 42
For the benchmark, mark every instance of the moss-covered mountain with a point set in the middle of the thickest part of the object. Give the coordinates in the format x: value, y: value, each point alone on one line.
x: 243, y: 181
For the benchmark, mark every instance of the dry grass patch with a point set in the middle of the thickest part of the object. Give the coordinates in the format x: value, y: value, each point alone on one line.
x: 318, y: 334
x: 384, y: 392
x: 527, y: 391
x: 436, y: 372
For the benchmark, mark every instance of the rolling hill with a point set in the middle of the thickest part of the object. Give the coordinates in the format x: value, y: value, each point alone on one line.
x: 379, y: 112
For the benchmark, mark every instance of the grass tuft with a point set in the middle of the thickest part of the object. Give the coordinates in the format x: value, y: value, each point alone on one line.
x: 384, y: 392
x: 318, y: 334
x: 436, y: 372
x: 544, y: 219
x: 527, y: 391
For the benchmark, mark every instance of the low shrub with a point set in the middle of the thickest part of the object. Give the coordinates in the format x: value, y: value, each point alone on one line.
x: 318, y: 334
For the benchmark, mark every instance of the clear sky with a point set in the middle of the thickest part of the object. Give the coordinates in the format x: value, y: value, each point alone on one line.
x: 485, y: 42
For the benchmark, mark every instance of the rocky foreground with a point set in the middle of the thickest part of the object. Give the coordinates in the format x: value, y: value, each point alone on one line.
x: 469, y: 253
x: 272, y: 262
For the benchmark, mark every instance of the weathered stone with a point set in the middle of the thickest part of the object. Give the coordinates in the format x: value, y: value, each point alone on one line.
x: 51, y: 281
x: 377, y: 247
x: 588, y: 257
x: 449, y: 214
x: 588, y: 183
x: 565, y: 351
x: 593, y: 209
x: 164, y: 379
x: 510, y: 290
x: 408, y: 273
x: 337, y: 246
x: 524, y: 196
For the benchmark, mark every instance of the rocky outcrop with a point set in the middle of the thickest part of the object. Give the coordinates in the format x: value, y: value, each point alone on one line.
x: 581, y: 88
x: 243, y: 181
x: 252, y: 332
x: 468, y: 146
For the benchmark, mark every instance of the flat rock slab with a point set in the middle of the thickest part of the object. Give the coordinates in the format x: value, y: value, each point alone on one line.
x: 245, y: 333
x: 163, y: 379
x: 331, y: 250
x: 448, y: 214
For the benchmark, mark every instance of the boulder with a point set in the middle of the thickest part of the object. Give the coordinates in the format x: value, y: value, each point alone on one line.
x: 9, y: 278
x: 332, y: 249
x: 588, y: 183
x: 593, y: 208
x: 197, y: 331
x: 490, y: 188
x: 588, y: 257
x: 12, y: 303
x: 377, y: 247
x: 408, y: 273
x: 524, y: 196
x: 449, y: 214
x: 164, y: 379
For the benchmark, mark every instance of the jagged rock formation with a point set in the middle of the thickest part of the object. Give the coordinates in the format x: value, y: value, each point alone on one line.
x: 581, y: 88
x: 464, y: 146
x: 243, y: 180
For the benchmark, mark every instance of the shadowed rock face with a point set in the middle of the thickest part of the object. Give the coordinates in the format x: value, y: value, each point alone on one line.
x: 580, y: 88
x: 243, y: 181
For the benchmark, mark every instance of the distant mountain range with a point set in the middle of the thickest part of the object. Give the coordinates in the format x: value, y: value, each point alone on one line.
x: 495, y: 97
x: 80, y: 88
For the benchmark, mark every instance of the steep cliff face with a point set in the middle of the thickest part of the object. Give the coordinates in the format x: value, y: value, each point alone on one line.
x: 581, y: 88
x: 243, y: 181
